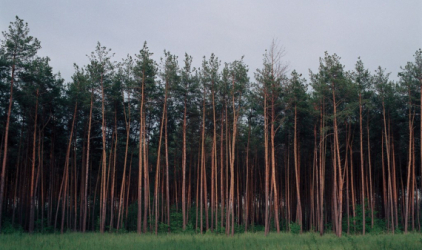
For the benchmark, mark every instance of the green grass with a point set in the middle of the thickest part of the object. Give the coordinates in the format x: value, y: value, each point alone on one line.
x: 93, y: 241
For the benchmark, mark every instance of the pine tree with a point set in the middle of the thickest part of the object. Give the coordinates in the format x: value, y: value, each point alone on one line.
x: 18, y: 49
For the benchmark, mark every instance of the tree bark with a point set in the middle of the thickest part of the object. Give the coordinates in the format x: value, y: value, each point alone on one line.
x: 6, y: 140
x: 32, y: 188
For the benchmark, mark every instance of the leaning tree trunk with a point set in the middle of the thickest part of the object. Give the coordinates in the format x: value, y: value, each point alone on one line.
x: 387, y: 150
x: 66, y: 167
x: 158, y: 161
x: 122, y: 187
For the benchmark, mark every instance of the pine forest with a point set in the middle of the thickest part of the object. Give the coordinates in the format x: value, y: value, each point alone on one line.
x: 158, y: 146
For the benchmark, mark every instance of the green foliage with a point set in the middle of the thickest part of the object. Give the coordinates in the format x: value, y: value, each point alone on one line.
x: 132, y: 217
x: 356, y: 224
x: 257, y: 228
x: 328, y: 227
x: 8, y: 228
x: 17, y: 45
x: 41, y: 226
x: 295, y: 228
x: 176, y: 223
x: 239, y: 228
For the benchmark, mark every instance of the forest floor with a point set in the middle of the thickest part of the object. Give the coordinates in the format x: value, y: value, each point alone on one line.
x: 93, y: 241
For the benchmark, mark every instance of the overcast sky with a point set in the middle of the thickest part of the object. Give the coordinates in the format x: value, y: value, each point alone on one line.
x: 381, y: 32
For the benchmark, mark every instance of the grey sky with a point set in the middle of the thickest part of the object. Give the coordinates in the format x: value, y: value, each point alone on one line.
x: 381, y: 32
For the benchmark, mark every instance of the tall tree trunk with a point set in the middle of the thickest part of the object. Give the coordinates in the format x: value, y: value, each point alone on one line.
x: 113, y: 175
x: 420, y: 89
x: 184, y: 166
x: 202, y: 174
x: 122, y: 187
x: 274, y: 183
x: 141, y: 140
x: 337, y: 189
x: 104, y: 160
x: 6, y: 140
x: 85, y: 214
x: 247, y: 194
x: 232, y: 159
x: 321, y: 177
x: 32, y: 188
x: 158, y: 160
x: 387, y: 150
x: 297, y: 173
x: 222, y: 170
x: 361, y: 164
x: 267, y: 171
x: 145, y: 163
x: 213, y: 158
x: 409, y: 168
x: 370, y: 176
x: 167, y: 170
x: 66, y: 167
x: 16, y: 179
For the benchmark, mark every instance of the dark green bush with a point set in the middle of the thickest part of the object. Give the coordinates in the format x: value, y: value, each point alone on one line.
x: 295, y: 228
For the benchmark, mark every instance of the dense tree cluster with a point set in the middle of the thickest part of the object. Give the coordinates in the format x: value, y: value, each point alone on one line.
x: 162, y: 147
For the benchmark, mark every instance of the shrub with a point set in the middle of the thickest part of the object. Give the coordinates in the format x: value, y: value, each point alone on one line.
x: 7, y: 228
x: 295, y: 228
x: 356, y: 222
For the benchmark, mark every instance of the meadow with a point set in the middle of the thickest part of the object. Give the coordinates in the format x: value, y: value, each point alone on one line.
x: 93, y: 241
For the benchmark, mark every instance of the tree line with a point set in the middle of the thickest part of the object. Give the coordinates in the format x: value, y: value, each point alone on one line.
x: 154, y: 146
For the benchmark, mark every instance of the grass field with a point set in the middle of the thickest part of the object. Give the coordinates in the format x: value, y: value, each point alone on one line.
x: 93, y: 241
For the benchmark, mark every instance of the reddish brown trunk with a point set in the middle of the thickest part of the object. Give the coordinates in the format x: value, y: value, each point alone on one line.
x: 361, y: 164
x: 141, y: 146
x: 65, y: 174
x: 387, y: 147
x: 85, y: 214
x: 167, y: 172
x: 297, y: 173
x: 32, y: 188
x: 202, y: 174
x: 6, y: 141
x: 409, y: 169
x: 267, y: 171
x: 247, y: 195
x: 113, y: 175
x: 157, y: 175
x: 370, y: 177
x: 104, y: 160
x: 122, y: 187
x: 222, y: 171
x: 273, y: 174
x: 184, y: 167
